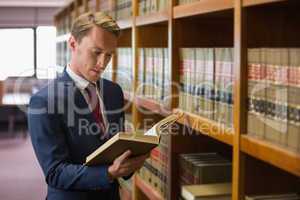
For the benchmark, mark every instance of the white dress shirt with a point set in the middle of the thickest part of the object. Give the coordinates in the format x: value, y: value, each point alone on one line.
x: 82, y: 84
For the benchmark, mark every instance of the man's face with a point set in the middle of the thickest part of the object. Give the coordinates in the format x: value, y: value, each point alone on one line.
x: 91, y: 56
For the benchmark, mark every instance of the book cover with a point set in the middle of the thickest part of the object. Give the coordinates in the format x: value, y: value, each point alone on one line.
x: 218, y: 191
x: 139, y: 144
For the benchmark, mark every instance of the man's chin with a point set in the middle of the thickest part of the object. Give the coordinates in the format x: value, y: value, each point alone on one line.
x: 94, y: 78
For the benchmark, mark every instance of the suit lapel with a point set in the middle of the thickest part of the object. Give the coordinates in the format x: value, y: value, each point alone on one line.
x: 81, y: 111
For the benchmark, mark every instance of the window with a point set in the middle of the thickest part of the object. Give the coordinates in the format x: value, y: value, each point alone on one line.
x: 16, y: 52
x: 46, y: 52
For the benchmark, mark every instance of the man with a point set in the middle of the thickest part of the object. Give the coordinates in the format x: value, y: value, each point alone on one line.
x: 76, y: 113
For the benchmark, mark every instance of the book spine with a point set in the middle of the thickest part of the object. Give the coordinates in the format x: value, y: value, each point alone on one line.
x: 182, y: 96
x: 256, y: 92
x: 200, y: 69
x: 219, y: 112
x: 275, y: 128
x: 293, y: 135
x: 209, y: 84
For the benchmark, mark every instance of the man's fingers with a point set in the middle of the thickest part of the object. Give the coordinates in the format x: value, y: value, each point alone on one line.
x: 133, y: 162
x: 124, y: 156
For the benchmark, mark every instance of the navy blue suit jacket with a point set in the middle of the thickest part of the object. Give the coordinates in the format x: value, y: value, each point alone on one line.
x: 63, y: 134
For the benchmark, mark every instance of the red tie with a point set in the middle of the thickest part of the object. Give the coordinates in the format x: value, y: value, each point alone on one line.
x: 95, y: 105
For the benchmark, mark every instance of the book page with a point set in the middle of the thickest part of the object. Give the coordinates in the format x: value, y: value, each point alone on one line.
x: 163, y: 124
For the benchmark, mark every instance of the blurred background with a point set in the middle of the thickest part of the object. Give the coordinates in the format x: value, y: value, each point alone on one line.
x: 27, y: 60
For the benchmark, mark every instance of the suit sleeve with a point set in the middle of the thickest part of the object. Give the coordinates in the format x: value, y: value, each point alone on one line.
x: 49, y: 143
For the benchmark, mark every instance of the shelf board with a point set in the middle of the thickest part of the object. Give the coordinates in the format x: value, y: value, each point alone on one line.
x: 149, y: 104
x: 206, y: 127
x: 125, y: 23
x: 62, y: 38
x: 201, y: 7
x: 271, y: 153
x: 259, y: 2
x: 152, y: 18
x: 147, y: 189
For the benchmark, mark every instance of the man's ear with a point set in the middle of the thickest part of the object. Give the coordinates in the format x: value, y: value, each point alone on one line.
x: 72, y: 43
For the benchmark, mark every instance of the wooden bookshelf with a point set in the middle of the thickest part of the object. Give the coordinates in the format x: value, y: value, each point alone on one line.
x: 147, y: 189
x: 206, y: 127
x: 271, y: 153
x: 259, y: 2
x: 201, y: 24
x: 201, y: 7
x: 152, y: 18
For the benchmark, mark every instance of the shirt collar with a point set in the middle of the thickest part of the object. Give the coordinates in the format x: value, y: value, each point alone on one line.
x: 80, y: 82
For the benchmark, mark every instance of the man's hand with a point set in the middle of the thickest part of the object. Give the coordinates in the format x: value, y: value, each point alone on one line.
x: 124, y: 166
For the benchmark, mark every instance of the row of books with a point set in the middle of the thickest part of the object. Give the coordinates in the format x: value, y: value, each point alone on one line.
x: 122, y: 9
x: 206, y: 79
x: 63, y: 25
x: 126, y: 189
x: 273, y: 94
x: 180, y: 2
x: 151, y: 6
x: 154, y: 75
x: 154, y: 171
x: 119, y: 9
x: 124, y: 69
x: 203, y: 168
x: 63, y: 54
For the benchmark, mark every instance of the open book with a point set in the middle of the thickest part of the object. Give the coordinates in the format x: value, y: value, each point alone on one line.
x: 138, y: 144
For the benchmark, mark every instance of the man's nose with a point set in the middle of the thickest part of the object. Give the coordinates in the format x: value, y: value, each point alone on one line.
x: 101, y: 60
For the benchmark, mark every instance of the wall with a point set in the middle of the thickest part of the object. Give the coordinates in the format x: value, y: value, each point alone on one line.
x: 26, y: 16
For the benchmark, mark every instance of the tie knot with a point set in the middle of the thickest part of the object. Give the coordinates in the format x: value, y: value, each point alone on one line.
x: 92, y: 93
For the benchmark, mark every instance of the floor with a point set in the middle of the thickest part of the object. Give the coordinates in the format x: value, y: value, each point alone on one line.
x: 20, y: 175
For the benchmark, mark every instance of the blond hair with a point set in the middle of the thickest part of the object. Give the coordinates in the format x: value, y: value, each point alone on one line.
x: 86, y: 21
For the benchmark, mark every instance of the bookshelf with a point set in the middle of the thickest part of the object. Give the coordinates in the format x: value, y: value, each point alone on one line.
x: 240, y: 25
